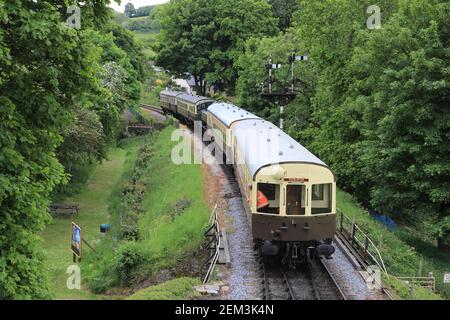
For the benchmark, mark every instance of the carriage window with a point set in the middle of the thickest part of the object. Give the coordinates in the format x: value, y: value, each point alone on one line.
x: 321, y: 198
x: 268, y: 198
x: 317, y: 192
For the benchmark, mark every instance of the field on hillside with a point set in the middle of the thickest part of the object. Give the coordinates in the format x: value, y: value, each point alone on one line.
x: 146, y: 39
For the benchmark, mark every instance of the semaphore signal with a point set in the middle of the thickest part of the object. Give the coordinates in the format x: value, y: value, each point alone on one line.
x: 285, y: 95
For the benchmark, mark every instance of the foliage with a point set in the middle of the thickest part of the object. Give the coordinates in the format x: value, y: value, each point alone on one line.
x: 144, y: 11
x: 283, y: 10
x: 175, y: 289
x: 44, y: 67
x: 129, y: 11
x: 252, y: 73
x: 372, y: 103
x: 205, y: 38
x: 133, y: 193
x: 83, y: 145
x: 50, y: 89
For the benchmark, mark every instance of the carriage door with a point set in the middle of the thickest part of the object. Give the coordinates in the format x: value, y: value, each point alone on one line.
x: 295, y: 199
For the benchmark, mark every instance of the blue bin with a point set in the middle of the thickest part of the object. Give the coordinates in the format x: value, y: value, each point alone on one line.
x: 104, y: 227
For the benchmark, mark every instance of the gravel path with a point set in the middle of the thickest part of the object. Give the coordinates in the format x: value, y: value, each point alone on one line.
x: 349, y: 279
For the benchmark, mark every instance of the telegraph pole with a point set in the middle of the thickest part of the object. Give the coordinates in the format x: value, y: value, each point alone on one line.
x: 285, y: 95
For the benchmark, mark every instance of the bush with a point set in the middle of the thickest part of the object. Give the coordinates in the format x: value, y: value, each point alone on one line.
x: 128, y: 258
x: 175, y: 289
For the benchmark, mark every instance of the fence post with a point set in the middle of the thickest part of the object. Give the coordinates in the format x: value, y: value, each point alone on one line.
x: 353, y: 231
x: 431, y: 281
x: 341, y: 226
x: 420, y: 266
x: 366, y: 246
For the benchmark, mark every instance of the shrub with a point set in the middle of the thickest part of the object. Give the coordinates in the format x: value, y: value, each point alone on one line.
x: 175, y: 289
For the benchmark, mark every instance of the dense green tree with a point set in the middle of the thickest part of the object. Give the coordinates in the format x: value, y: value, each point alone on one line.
x: 54, y: 94
x: 329, y: 31
x: 44, y: 68
x: 144, y: 11
x: 283, y: 10
x: 129, y: 11
x: 402, y: 90
x: 205, y: 38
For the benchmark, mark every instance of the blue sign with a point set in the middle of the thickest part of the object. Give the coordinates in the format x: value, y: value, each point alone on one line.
x: 76, y: 239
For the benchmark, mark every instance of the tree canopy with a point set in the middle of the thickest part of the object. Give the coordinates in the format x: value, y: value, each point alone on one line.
x: 205, y: 38
x: 129, y: 10
x: 55, y: 109
x: 373, y: 104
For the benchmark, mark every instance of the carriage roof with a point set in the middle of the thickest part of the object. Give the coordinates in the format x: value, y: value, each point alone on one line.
x: 273, y: 146
x: 169, y: 93
x: 228, y: 113
x: 192, y: 98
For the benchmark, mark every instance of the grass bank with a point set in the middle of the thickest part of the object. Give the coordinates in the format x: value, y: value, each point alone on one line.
x: 165, y: 226
x: 401, y: 252
x: 93, y: 201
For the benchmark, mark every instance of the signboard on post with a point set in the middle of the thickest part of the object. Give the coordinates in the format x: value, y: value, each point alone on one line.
x: 446, y: 277
x: 76, y: 240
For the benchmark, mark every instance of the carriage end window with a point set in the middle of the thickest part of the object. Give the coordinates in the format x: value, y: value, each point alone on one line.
x: 321, y: 198
x: 268, y: 198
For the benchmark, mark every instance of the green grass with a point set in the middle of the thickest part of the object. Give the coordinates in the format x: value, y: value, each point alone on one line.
x: 170, y: 226
x: 401, y: 251
x: 138, y: 18
x: 150, y: 95
x: 146, y: 39
x: 175, y: 289
x: 173, y: 235
x: 93, y: 201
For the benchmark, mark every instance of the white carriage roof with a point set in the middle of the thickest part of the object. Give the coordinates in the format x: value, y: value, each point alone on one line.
x: 192, y: 98
x: 266, y: 144
x: 229, y: 113
x: 170, y: 93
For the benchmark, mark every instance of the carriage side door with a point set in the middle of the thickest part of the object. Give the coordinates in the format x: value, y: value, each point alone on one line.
x: 295, y: 199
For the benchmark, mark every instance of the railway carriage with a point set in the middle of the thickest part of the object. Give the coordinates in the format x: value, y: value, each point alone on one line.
x: 168, y: 101
x: 190, y: 106
x: 221, y: 117
x: 298, y: 213
x: 298, y: 186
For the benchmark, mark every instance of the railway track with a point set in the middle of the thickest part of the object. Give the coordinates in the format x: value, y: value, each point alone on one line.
x: 310, y: 281
x: 152, y: 108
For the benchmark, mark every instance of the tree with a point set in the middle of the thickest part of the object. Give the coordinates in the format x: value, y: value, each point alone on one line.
x: 45, y: 66
x: 205, y: 38
x: 252, y: 73
x: 129, y: 11
x: 402, y: 85
x: 51, y: 92
x: 283, y: 10
x: 144, y: 11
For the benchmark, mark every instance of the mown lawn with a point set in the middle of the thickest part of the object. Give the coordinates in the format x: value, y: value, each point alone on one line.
x: 93, y: 202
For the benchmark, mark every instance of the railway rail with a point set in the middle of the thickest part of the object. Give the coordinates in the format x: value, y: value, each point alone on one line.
x: 152, y: 108
x: 312, y: 280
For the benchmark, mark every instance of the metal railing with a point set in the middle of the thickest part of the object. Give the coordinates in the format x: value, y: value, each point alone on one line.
x: 360, y: 241
x: 213, y: 232
x: 425, y: 282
